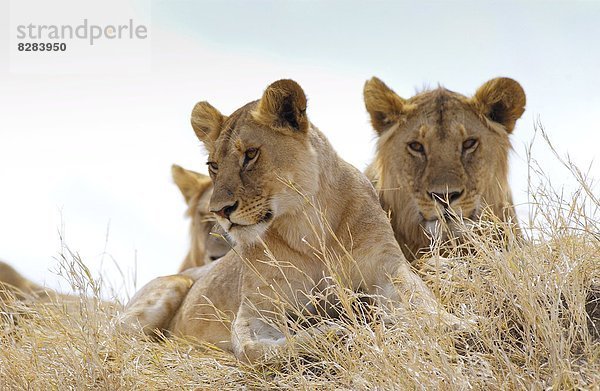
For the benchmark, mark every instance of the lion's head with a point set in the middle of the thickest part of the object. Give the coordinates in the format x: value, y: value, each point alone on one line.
x: 440, y: 153
x: 255, y: 155
x: 208, y: 241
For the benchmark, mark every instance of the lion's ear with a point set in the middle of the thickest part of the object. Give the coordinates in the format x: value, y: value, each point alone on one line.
x: 190, y: 182
x: 207, y: 122
x: 384, y: 106
x: 501, y: 100
x: 283, y: 105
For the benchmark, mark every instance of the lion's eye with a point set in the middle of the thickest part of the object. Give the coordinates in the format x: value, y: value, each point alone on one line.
x: 250, y: 155
x: 470, y: 144
x: 212, y: 167
x: 416, y: 146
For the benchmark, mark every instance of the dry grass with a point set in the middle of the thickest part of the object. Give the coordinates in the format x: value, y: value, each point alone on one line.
x: 533, y: 331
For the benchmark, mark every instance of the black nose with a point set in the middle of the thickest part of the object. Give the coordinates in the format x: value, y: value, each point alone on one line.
x: 226, y: 211
x: 446, y: 198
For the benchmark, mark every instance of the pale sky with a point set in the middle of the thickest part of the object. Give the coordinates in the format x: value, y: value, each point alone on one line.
x: 87, y: 137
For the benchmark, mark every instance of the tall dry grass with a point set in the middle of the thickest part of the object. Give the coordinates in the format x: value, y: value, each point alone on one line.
x: 529, y: 299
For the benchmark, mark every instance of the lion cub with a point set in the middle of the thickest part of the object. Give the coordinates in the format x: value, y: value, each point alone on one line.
x: 281, y: 192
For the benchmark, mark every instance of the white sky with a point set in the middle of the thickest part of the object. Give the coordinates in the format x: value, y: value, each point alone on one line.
x: 87, y: 137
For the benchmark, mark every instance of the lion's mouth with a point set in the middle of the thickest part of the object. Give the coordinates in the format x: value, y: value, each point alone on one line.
x: 267, y: 217
x: 448, y: 224
x: 448, y: 216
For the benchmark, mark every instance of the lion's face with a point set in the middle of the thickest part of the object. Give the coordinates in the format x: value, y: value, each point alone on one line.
x: 208, y: 241
x: 204, y: 225
x: 259, y: 160
x: 447, y: 153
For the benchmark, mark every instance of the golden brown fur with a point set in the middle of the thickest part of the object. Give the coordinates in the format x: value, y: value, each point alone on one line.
x: 280, y: 191
x: 207, y: 238
x: 14, y: 286
x: 463, y: 164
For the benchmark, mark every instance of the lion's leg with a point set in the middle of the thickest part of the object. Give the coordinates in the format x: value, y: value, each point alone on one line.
x: 264, y: 306
x: 253, y: 338
x: 153, y: 306
x: 400, y: 284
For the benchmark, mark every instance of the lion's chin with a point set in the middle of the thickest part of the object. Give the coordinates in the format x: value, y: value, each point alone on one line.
x: 247, y: 233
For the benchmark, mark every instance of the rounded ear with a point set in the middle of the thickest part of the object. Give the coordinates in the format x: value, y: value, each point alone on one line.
x: 384, y: 106
x: 207, y: 122
x: 501, y: 100
x: 190, y: 183
x: 283, y: 105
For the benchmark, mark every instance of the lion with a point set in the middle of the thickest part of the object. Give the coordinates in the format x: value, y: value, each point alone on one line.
x: 441, y: 155
x: 281, y: 192
x: 208, y: 241
x: 14, y: 285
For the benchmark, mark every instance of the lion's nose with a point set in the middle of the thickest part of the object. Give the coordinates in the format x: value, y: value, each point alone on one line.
x: 226, y: 211
x: 447, y: 198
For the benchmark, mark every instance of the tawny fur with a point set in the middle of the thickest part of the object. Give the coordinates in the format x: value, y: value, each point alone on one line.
x: 441, y: 121
x: 14, y: 286
x: 281, y: 191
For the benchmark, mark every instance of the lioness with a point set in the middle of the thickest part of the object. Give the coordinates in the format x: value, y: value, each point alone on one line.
x: 282, y: 193
x: 439, y: 153
x: 207, y: 239
x: 13, y: 284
